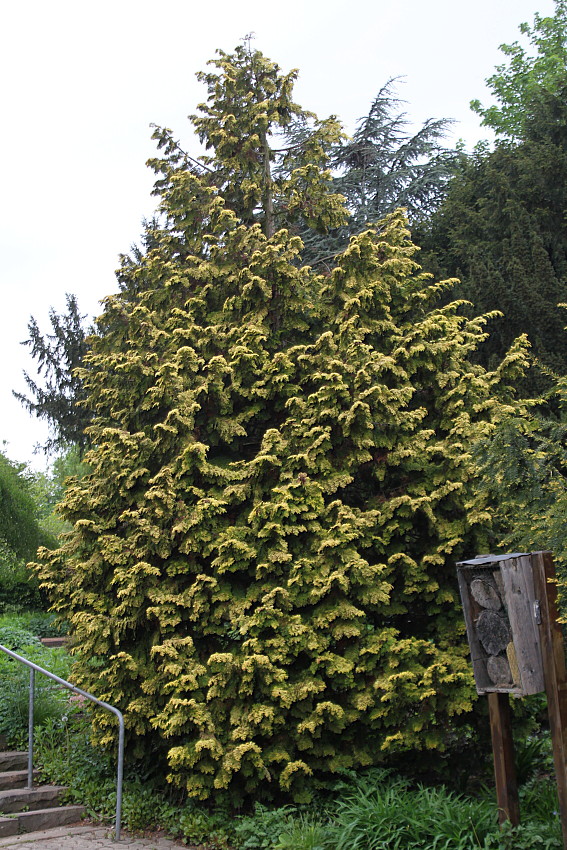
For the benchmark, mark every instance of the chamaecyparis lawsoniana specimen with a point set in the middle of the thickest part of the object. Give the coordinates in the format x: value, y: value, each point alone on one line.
x: 261, y: 571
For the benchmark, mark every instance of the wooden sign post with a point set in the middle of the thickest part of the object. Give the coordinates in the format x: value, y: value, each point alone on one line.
x: 504, y: 765
x: 554, y: 673
x: 516, y: 644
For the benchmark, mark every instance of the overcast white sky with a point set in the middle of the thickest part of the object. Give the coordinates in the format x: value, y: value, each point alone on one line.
x: 83, y: 81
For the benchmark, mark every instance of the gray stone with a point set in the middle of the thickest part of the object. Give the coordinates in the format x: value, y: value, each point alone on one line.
x: 12, y: 760
x: 14, y: 779
x: 19, y: 799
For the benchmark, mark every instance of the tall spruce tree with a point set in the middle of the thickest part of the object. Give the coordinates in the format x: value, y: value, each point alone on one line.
x: 261, y: 567
x: 60, y: 400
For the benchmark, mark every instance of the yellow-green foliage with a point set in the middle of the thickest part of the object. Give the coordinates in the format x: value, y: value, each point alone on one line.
x: 261, y: 571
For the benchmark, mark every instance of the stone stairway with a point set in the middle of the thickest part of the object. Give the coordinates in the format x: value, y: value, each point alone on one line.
x: 29, y: 809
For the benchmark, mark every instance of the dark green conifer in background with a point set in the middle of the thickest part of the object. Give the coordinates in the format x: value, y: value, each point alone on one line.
x: 58, y: 354
x: 501, y: 229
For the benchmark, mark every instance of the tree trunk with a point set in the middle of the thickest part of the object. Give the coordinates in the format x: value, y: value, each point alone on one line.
x: 267, y: 197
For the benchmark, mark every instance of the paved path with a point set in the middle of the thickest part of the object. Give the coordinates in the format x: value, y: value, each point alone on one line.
x: 85, y: 838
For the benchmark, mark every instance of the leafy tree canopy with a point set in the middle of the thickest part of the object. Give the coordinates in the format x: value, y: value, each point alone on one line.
x: 48, y: 488
x: 527, y: 76
x: 19, y: 527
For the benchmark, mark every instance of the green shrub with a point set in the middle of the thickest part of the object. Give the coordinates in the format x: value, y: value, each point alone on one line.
x: 19, y: 588
x: 16, y: 638
x: 280, y: 481
x: 532, y: 755
x: 539, y: 801
x: 527, y: 836
x: 38, y: 623
x: 65, y: 756
x: 262, y: 830
x: 378, y: 810
x: 41, y: 623
x: 19, y: 527
x: 196, y: 825
x: 14, y: 709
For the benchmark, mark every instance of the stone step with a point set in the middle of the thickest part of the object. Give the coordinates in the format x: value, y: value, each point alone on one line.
x: 15, y: 779
x: 8, y: 826
x: 20, y: 799
x: 27, y: 810
x: 40, y: 819
x: 12, y: 760
x: 62, y: 640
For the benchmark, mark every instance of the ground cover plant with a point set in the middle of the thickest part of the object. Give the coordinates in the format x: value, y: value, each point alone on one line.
x: 36, y: 623
x: 373, y: 810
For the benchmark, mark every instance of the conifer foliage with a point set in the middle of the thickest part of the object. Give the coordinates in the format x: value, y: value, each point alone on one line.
x: 261, y: 567
x: 501, y: 228
x: 381, y: 168
x: 60, y: 400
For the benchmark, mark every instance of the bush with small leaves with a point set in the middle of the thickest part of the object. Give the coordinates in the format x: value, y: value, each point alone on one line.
x: 260, y: 572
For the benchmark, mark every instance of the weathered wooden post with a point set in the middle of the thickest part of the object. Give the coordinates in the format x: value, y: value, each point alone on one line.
x: 510, y: 607
x: 554, y: 673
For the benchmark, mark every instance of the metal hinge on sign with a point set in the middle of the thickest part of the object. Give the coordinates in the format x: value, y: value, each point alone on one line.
x: 537, y: 612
